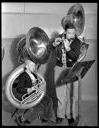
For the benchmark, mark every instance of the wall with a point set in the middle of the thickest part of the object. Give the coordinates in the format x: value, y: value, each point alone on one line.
x: 18, y: 18
x: 45, y: 15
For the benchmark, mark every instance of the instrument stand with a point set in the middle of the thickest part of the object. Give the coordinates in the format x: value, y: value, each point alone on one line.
x: 79, y: 118
x: 16, y: 110
x: 76, y: 73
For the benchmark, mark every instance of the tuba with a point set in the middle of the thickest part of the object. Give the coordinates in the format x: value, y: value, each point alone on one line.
x: 76, y: 16
x: 33, y: 46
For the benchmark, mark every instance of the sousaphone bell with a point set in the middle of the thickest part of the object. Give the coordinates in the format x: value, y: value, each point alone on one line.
x: 37, y: 43
x: 76, y: 16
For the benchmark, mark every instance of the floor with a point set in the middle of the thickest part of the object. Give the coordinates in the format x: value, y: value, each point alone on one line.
x: 89, y: 116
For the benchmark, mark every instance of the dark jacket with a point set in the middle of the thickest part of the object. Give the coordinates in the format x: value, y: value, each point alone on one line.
x: 71, y: 56
x: 24, y: 82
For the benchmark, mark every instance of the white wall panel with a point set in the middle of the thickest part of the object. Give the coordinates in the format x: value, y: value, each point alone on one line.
x: 48, y: 23
x: 16, y: 20
x: 90, y: 29
x: 58, y: 8
x: 12, y: 7
x: 12, y: 25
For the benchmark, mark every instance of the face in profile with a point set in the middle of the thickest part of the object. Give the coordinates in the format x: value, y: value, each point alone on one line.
x: 30, y: 65
x: 70, y: 33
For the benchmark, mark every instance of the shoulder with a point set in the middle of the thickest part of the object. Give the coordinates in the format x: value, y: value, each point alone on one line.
x: 77, y: 41
x: 23, y: 75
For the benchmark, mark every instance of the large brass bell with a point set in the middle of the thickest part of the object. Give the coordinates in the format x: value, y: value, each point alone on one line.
x: 37, y: 43
x: 76, y: 16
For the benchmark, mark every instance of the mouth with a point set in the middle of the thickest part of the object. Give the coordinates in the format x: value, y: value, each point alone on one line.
x: 71, y: 39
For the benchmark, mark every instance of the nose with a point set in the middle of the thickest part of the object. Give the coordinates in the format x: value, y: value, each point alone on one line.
x: 72, y: 36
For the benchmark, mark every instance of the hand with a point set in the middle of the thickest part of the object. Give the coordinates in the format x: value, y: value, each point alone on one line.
x: 67, y: 44
x: 29, y: 90
x: 57, y: 41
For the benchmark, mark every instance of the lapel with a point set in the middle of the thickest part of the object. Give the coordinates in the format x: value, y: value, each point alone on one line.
x: 59, y: 52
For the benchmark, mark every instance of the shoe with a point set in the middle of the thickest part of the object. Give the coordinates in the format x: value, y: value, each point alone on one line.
x: 59, y: 120
x: 47, y: 121
x: 71, y: 121
x: 44, y: 120
x: 27, y: 122
x: 21, y: 122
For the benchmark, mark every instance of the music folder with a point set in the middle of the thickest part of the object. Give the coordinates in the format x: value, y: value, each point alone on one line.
x: 70, y: 75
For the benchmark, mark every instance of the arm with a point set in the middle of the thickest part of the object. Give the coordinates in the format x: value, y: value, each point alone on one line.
x: 55, y: 42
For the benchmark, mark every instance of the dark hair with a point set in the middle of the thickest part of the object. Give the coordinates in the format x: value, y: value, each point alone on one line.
x: 69, y: 26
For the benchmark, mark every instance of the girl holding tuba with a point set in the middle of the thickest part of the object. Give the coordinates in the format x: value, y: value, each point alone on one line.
x: 67, y: 51
x: 25, y: 85
x: 32, y: 51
